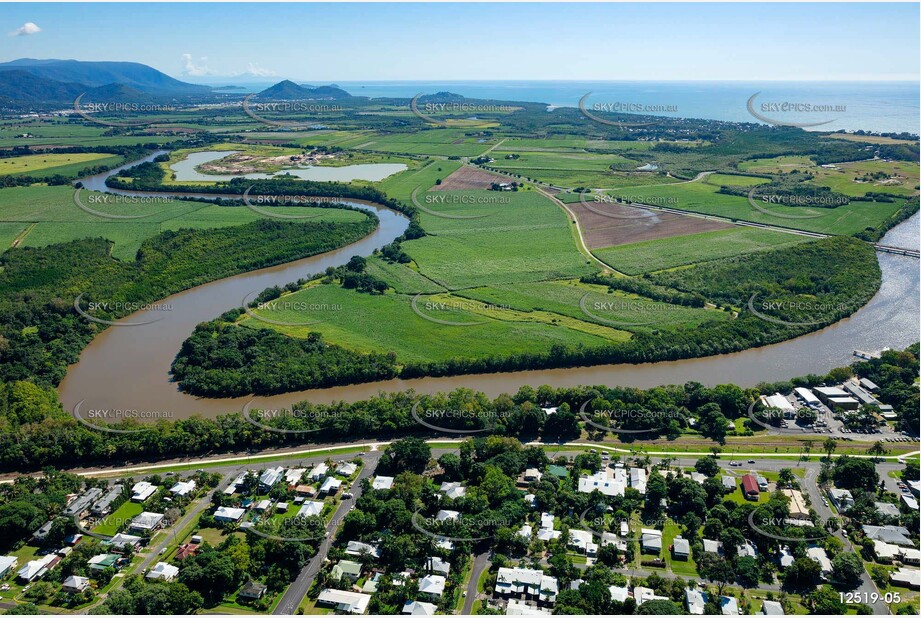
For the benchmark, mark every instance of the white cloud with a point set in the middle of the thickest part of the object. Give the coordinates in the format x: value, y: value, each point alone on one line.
x: 193, y: 69
x: 26, y: 29
x: 254, y: 69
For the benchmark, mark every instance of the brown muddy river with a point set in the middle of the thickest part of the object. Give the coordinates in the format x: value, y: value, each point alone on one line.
x: 127, y: 368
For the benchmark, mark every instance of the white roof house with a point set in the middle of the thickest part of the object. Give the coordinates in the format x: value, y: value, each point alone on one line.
x: 651, y: 540
x: 619, y: 593
x: 638, y: 479
x: 356, y: 548
x: 607, y: 481
x: 453, y: 490
x: 224, y: 513
x: 319, y: 471
x: 642, y: 594
x: 147, y: 521
x: 346, y: 602
x: 446, y: 515
x: 142, y: 491
x: 729, y: 606
x: 886, y: 552
x: 818, y: 554
x: 531, y: 582
x: 7, y: 564
x: 183, y: 488
x: 164, y: 571
x: 347, y: 469
x: 772, y: 608
x: 525, y: 531
x: 547, y: 520
x: 909, y: 578
x: 330, y: 485
x: 419, y: 608
x: 432, y: 585
x: 271, y: 476
x: 310, y: 507
x: 696, y: 600
x: 34, y: 569
x: 293, y: 475
x: 514, y: 607
x: 581, y: 540
x: 75, y: 583
x: 382, y: 482
x: 437, y: 565
x: 897, y: 535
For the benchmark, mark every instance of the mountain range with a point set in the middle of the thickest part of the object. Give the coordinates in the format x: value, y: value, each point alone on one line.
x: 45, y: 83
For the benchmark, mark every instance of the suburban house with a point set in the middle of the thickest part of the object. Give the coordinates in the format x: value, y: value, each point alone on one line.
x: 432, y: 586
x: 228, y: 514
x: 897, y: 535
x: 269, y: 477
x: 434, y: 564
x: 798, y: 508
x: 146, y: 522
x: 163, y: 571
x: 750, y: 487
x: 330, y: 486
x: 7, y: 564
x: 103, y: 506
x: 252, y: 590
x: 841, y: 498
x: 418, y: 608
x: 681, y: 548
x: 531, y: 583
x: 142, y: 491
x: 125, y: 542
x: 356, y: 548
x: 347, y: 570
x: 651, y: 541
x: 183, y: 488
x: 772, y: 608
x: 818, y: 555
x: 75, y: 584
x: 81, y: 504
x: 382, y: 482
x: 101, y: 562
x: 453, y: 490
x: 696, y: 601
x: 36, y: 569
x: 309, y: 508
x: 344, y: 602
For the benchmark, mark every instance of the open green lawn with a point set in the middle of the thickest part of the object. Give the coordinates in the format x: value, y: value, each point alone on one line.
x: 115, y: 520
x: 50, y: 164
x: 652, y: 255
x: 369, y: 323
x: 563, y: 298
x: 498, y: 248
x: 777, y: 165
x: 440, y: 142
x: 568, y: 169
x: 734, y: 179
x: 704, y: 198
x: 855, y: 179
x: 57, y: 218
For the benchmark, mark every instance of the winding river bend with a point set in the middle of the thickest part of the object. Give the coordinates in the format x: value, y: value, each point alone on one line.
x: 127, y: 368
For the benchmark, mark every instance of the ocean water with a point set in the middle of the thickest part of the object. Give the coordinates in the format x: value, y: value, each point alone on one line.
x: 870, y: 106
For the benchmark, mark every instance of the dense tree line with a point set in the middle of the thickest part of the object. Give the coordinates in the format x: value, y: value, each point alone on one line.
x: 48, y: 435
x: 41, y: 333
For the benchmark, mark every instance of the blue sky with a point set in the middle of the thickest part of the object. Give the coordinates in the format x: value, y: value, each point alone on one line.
x: 343, y: 42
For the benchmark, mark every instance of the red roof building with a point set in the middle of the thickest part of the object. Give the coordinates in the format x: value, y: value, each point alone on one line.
x: 750, y: 487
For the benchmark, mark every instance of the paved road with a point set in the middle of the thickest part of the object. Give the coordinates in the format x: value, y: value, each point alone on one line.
x: 299, y: 587
x: 480, y: 564
x: 867, y: 587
